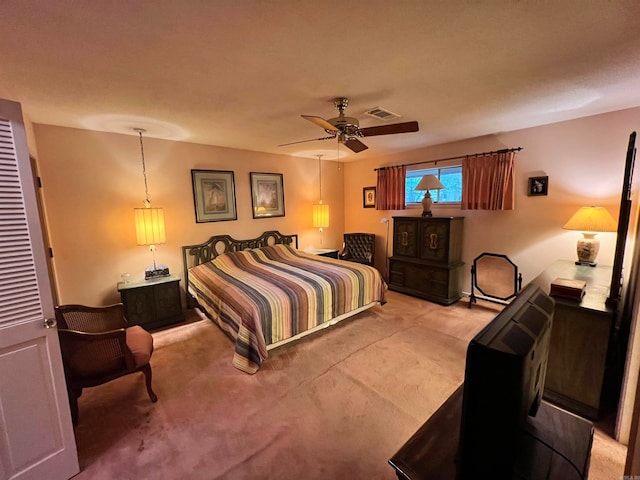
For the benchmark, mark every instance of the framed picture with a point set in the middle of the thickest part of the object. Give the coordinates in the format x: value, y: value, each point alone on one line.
x: 538, y: 186
x: 214, y: 195
x: 369, y: 197
x: 267, y: 195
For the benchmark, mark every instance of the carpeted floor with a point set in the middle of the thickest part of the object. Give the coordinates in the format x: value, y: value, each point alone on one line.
x: 335, y: 405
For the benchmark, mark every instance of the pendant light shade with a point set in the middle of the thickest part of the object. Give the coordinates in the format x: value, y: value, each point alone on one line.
x: 320, y: 215
x: 320, y: 210
x: 150, y: 226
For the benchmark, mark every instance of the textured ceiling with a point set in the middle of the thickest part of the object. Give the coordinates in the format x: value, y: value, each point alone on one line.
x: 238, y: 73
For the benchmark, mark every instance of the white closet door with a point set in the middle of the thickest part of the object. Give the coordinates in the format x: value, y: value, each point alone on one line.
x: 36, y: 433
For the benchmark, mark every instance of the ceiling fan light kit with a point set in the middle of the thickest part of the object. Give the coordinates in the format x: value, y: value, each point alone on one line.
x: 347, y: 129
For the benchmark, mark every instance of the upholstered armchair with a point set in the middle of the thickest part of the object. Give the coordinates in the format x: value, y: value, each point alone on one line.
x: 359, y: 247
x: 98, y: 346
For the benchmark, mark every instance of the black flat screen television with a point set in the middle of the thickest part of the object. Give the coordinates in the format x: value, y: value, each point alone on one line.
x: 503, y: 384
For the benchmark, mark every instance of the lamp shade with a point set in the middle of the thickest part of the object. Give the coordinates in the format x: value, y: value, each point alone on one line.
x: 429, y: 182
x: 591, y: 219
x: 320, y: 215
x: 149, y: 226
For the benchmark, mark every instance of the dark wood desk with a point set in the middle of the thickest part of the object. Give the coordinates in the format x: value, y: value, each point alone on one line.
x: 580, y: 338
x: 430, y: 454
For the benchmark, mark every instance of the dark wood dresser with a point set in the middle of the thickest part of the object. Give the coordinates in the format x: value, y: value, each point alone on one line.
x: 426, y: 259
x: 580, y: 338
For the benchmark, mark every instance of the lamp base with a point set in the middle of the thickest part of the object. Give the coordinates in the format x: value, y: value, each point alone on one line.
x: 587, y: 249
x: 586, y: 264
x: 155, y: 271
x: 426, y: 205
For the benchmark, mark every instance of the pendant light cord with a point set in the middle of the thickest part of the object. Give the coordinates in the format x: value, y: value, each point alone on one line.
x: 147, y: 200
x: 320, y: 175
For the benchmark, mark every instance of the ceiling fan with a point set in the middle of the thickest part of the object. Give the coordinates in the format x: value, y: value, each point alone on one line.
x: 347, y: 129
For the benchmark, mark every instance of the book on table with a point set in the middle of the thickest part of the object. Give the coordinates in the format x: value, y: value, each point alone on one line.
x: 568, y: 288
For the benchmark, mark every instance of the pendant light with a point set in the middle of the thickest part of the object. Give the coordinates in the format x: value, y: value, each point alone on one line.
x: 320, y: 210
x: 149, y: 223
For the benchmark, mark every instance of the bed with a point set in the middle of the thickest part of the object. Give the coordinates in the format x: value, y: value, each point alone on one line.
x: 264, y: 292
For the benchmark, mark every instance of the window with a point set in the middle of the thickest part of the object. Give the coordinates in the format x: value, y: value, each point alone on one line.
x: 450, y: 177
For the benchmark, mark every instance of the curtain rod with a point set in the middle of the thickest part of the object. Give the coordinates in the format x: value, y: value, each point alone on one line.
x: 506, y: 150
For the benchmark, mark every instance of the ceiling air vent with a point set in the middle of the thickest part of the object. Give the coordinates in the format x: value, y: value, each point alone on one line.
x: 382, y: 114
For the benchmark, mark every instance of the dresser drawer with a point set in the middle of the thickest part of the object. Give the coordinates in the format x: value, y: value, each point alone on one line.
x: 439, y: 284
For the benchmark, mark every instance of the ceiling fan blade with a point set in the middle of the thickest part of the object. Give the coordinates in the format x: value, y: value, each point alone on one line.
x: 355, y: 145
x: 303, y: 141
x: 405, y: 127
x: 321, y: 122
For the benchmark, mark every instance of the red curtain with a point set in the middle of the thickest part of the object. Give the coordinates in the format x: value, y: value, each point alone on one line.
x: 390, y: 188
x: 488, y: 182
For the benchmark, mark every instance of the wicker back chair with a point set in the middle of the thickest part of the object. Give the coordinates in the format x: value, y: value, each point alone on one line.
x: 98, y: 346
x: 359, y: 247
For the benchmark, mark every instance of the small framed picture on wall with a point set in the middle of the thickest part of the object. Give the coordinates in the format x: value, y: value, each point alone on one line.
x: 538, y: 186
x: 369, y: 197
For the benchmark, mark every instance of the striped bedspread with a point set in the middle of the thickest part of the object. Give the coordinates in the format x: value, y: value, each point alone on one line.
x: 266, y: 295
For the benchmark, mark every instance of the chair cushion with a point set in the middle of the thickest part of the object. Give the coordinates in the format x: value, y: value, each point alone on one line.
x: 140, y: 342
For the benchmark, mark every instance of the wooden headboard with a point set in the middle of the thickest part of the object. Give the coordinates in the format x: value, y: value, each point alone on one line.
x: 193, y: 255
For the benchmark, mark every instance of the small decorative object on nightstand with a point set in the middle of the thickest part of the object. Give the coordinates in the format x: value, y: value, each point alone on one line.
x: 152, y: 303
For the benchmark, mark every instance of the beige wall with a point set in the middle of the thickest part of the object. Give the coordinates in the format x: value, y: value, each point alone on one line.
x: 584, y: 160
x: 92, y: 181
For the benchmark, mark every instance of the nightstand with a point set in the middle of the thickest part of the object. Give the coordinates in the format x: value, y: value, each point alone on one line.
x: 324, y: 252
x: 152, y: 303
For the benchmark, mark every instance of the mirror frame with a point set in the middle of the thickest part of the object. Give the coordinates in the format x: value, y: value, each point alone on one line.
x: 517, y: 281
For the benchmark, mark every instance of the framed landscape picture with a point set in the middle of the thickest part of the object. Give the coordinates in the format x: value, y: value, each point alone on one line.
x: 214, y: 195
x: 369, y: 197
x: 267, y: 195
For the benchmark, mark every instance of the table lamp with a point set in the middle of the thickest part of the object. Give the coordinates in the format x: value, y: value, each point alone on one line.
x: 428, y: 182
x: 590, y: 221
